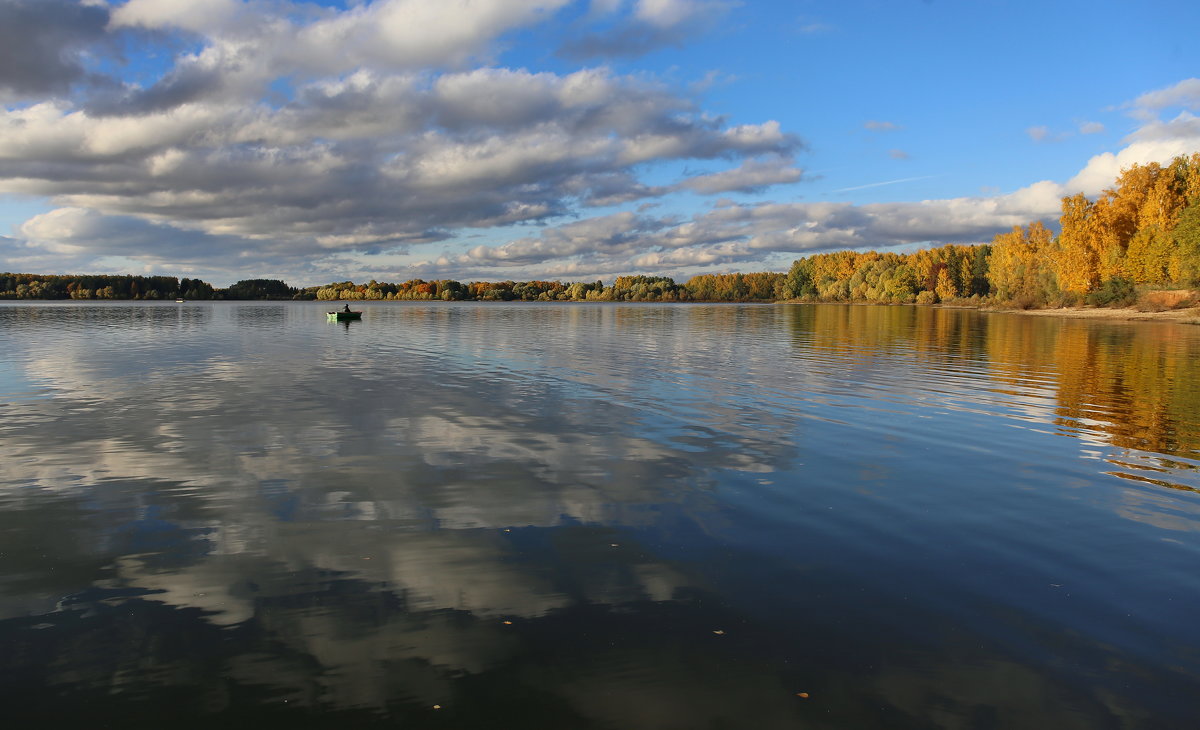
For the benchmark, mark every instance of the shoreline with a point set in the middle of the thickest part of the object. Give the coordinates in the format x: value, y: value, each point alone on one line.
x: 1189, y: 316
x: 1124, y: 314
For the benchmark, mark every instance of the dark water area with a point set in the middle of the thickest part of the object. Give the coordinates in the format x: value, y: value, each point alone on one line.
x: 596, y: 516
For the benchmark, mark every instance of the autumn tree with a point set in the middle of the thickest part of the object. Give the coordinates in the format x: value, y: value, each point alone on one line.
x: 1187, y: 244
x: 1076, y: 253
x: 1019, y: 263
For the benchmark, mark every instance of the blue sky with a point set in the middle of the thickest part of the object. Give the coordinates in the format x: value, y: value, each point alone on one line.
x: 518, y: 139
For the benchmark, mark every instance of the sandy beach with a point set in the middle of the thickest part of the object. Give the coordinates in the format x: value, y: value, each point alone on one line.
x: 1181, y: 316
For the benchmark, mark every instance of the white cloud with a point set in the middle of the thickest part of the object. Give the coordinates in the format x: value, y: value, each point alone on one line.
x: 1039, y: 133
x: 750, y: 176
x: 653, y: 24
x: 667, y: 13
x: 436, y: 179
x: 745, y: 234
x: 373, y: 160
x: 411, y: 33
x: 1186, y: 94
x: 1183, y: 128
x: 290, y: 136
x: 1154, y: 142
x: 200, y: 17
x: 393, y: 34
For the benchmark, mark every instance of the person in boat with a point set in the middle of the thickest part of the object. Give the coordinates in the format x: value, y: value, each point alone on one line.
x: 346, y: 309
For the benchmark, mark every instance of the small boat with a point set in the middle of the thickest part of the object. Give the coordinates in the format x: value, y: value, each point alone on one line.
x: 180, y: 301
x: 343, y: 316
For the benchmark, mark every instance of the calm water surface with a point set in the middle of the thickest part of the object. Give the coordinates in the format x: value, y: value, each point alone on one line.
x: 596, y: 516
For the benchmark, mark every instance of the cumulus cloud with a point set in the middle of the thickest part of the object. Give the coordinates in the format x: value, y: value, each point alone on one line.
x: 751, y: 235
x: 605, y: 236
x: 750, y: 176
x: 1091, y: 128
x: 734, y: 234
x: 1156, y: 141
x: 1185, y: 94
x: 249, y: 45
x: 748, y: 235
x: 373, y: 161
x: 415, y: 33
x: 42, y: 43
x: 395, y: 34
x: 614, y: 188
x: 199, y: 17
x: 291, y: 138
x: 9, y: 247
x: 651, y: 25
x: 81, y: 235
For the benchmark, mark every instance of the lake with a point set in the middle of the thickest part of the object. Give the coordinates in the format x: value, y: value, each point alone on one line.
x: 618, y: 516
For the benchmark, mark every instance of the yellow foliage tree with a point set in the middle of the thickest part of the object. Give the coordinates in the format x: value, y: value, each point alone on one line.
x: 946, y: 289
x: 1075, y: 256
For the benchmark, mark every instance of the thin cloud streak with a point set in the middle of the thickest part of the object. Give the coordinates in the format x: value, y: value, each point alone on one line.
x: 885, y: 182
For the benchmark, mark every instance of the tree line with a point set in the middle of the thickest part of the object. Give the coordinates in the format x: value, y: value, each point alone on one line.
x: 89, y: 286
x: 1142, y: 232
x: 122, y: 286
x: 765, y: 286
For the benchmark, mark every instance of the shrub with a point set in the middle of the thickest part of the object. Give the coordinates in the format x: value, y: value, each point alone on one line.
x: 1064, y: 299
x: 1024, y: 301
x: 1115, y: 292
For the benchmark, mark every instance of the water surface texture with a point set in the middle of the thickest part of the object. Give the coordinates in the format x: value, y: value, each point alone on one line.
x: 596, y: 516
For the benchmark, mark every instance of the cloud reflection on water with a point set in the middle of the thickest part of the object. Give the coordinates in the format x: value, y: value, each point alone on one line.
x: 363, y: 509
